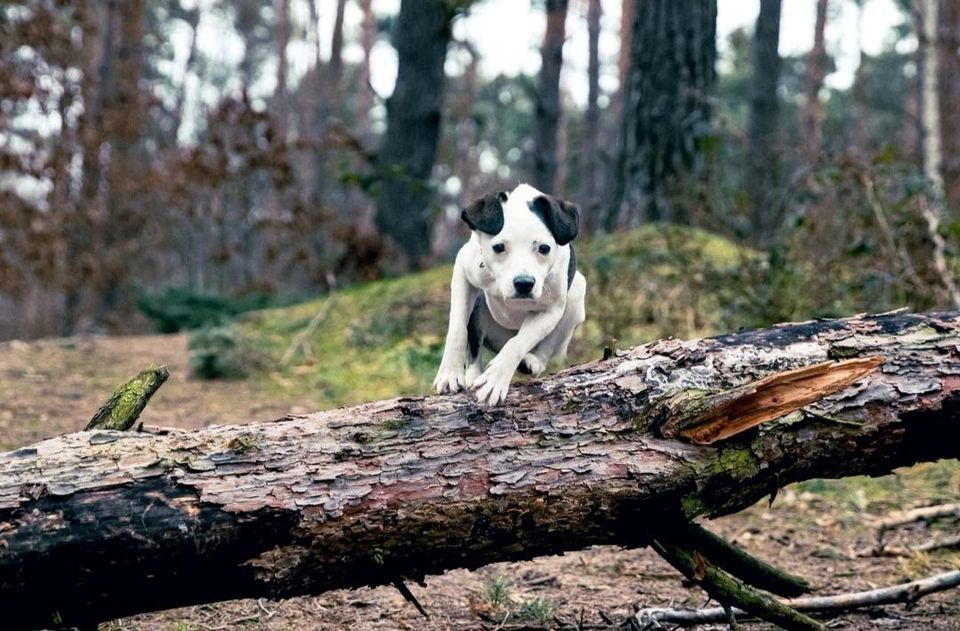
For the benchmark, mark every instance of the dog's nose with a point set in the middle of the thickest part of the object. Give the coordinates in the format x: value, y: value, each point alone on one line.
x: 524, y: 284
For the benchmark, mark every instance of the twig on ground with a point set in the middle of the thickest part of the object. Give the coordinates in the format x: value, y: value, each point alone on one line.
x: 883, y: 550
x: 902, y: 593
x: 926, y: 513
x: 728, y: 590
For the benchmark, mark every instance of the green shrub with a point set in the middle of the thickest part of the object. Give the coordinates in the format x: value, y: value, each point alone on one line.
x: 217, y: 352
x: 179, y: 308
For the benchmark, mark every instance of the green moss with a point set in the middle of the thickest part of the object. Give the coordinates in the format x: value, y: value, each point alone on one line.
x: 242, y: 444
x: 124, y: 407
x: 692, y: 506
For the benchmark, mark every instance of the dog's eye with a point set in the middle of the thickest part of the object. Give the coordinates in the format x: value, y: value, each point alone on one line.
x: 499, y: 248
x: 544, y: 249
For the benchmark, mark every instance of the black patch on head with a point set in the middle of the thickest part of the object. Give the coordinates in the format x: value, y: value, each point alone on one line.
x: 560, y: 217
x: 486, y: 214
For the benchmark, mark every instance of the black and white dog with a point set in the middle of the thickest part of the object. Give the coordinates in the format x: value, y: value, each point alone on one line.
x: 515, y: 290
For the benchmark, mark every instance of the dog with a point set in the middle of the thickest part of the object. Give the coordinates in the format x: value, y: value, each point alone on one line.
x: 515, y: 290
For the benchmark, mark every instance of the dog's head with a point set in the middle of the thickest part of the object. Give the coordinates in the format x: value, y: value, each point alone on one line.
x: 520, y: 233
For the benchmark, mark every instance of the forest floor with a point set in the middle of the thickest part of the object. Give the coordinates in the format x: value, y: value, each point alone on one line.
x: 814, y: 529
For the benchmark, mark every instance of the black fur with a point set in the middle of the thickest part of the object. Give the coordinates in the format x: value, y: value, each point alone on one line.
x: 485, y: 214
x: 560, y: 217
x: 571, y: 267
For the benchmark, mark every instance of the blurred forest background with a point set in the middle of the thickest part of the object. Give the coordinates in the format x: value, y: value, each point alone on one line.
x: 171, y: 158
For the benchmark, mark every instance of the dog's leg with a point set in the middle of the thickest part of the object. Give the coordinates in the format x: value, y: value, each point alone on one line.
x: 554, y: 345
x: 452, y: 373
x: 475, y: 340
x: 493, y: 384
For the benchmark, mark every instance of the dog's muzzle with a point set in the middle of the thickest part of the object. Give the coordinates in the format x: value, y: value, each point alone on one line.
x: 523, y: 285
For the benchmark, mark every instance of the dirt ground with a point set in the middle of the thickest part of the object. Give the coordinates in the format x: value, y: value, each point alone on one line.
x: 815, y: 529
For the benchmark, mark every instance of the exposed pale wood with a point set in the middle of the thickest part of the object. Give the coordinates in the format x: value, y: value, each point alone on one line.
x: 730, y: 413
x: 102, y: 524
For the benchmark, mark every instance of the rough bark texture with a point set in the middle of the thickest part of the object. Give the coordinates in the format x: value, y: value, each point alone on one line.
x: 548, y: 110
x: 666, y: 104
x: 97, y: 525
x: 816, y: 70
x: 764, y: 115
x: 409, y: 149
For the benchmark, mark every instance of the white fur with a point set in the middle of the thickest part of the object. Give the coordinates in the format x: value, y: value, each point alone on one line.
x: 544, y: 322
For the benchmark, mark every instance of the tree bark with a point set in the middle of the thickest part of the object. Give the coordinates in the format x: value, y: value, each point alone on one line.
x: 548, y: 110
x: 666, y: 105
x: 589, y: 148
x: 816, y: 71
x: 97, y: 525
x: 764, y: 115
x: 409, y: 149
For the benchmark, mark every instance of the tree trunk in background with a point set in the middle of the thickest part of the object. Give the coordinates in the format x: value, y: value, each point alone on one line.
x: 589, y: 149
x: 927, y: 16
x: 365, y: 95
x: 667, y: 105
x: 949, y: 88
x: 859, y: 144
x: 335, y: 68
x: 547, y: 120
x: 124, y: 117
x: 193, y: 19
x: 281, y: 95
x: 420, y: 35
x: 92, y: 17
x: 813, y: 112
x: 764, y: 178
x: 103, y: 524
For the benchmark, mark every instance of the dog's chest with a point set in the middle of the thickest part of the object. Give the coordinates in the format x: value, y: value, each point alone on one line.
x: 508, y: 316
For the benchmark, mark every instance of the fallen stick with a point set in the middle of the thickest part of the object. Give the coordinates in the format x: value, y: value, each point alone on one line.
x: 884, y: 550
x: 903, y: 593
x: 926, y: 513
x: 727, y: 589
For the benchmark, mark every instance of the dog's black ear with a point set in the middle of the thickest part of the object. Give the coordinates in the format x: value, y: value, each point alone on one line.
x: 485, y: 214
x: 561, y: 217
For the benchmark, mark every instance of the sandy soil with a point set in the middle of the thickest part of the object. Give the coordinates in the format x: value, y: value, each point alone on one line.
x: 54, y: 386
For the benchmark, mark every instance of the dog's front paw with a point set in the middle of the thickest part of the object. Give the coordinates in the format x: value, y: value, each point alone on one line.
x: 449, y: 378
x: 492, y: 385
x: 531, y: 365
x: 471, y: 376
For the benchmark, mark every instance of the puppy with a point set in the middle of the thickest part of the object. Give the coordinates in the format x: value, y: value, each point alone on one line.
x: 515, y: 290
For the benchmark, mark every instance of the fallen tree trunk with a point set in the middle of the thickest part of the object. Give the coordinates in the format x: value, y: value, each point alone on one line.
x: 102, y: 524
